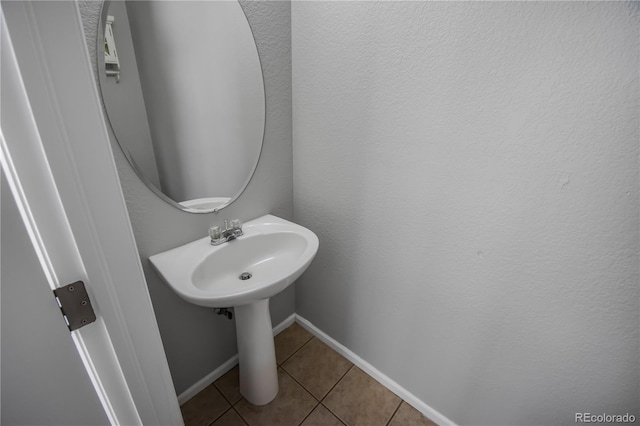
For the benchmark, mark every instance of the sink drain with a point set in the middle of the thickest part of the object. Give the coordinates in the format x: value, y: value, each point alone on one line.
x: 245, y: 276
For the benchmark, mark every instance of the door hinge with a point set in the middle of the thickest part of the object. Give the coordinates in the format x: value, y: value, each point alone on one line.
x: 75, y: 305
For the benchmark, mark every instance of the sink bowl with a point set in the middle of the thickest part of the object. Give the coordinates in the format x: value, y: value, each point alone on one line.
x: 244, y: 274
x: 273, y: 252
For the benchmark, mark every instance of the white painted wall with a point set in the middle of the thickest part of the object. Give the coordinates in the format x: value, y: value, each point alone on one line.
x: 197, y: 341
x: 471, y: 170
x: 203, y: 92
x: 41, y: 369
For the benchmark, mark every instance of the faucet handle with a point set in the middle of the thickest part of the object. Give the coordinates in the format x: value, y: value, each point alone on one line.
x: 236, y: 224
x: 214, y: 232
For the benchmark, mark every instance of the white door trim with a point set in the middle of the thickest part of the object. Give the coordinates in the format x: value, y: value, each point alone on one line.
x: 57, y: 158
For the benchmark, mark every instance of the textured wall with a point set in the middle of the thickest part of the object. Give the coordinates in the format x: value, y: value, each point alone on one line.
x: 471, y: 170
x: 196, y: 340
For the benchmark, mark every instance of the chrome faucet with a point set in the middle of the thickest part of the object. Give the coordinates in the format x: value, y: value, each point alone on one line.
x: 229, y: 232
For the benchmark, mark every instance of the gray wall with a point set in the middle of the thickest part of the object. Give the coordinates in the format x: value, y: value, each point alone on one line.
x: 471, y: 170
x: 41, y: 369
x: 196, y: 340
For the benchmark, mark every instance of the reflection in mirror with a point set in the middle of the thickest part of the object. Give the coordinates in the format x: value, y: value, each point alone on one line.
x: 187, y: 102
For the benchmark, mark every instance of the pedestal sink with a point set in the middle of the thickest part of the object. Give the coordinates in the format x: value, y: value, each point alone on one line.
x: 244, y: 274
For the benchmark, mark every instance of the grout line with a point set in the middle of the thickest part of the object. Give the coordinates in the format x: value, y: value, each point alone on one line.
x: 297, y: 350
x: 333, y: 414
x: 318, y: 401
x: 307, y: 416
x: 236, y: 403
x: 394, y: 412
x: 334, y: 385
x: 327, y: 394
x: 220, y: 391
x: 201, y: 384
x: 298, y: 382
x: 427, y: 411
x: 222, y: 414
x: 240, y: 415
x: 240, y: 400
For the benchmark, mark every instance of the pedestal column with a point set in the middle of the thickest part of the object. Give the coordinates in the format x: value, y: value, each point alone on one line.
x: 258, y: 369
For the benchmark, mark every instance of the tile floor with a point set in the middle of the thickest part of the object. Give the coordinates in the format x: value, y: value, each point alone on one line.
x: 318, y: 387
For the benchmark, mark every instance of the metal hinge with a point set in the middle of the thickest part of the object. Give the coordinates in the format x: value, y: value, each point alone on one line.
x: 75, y: 305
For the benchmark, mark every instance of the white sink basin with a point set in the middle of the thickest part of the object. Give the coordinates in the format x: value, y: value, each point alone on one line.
x: 274, y: 251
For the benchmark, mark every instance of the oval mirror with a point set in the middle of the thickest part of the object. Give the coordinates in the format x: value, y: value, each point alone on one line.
x: 182, y: 87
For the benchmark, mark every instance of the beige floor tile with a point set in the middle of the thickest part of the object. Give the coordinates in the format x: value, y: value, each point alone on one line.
x: 409, y: 416
x: 229, y: 385
x: 204, y: 408
x: 290, y: 407
x: 321, y: 417
x: 317, y: 367
x: 230, y: 418
x: 359, y: 400
x: 289, y: 341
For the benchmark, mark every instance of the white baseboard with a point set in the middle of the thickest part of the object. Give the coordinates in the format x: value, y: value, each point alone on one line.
x: 284, y: 324
x: 384, y: 380
x: 207, y: 380
x: 194, y: 389
x: 394, y: 387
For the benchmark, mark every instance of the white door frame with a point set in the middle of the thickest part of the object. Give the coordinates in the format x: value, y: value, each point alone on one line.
x: 57, y: 158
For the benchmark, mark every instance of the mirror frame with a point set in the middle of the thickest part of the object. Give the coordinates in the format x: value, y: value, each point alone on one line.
x: 100, y: 65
